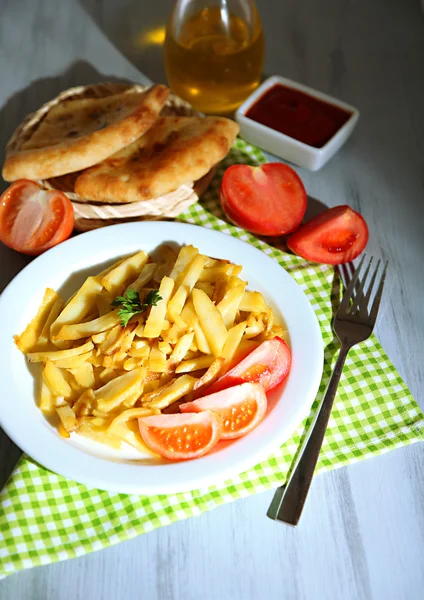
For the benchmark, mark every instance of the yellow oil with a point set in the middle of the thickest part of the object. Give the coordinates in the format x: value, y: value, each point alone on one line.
x: 214, y: 65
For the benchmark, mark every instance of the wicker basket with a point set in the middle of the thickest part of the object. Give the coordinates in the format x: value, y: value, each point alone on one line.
x: 89, y: 214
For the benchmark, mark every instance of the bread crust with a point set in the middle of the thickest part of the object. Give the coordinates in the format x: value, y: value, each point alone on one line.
x: 80, y: 128
x: 174, y: 151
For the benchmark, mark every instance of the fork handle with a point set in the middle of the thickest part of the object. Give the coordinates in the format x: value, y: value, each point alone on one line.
x: 289, y: 499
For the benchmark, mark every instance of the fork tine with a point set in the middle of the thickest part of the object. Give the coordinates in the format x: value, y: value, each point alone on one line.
x: 350, y: 269
x: 373, y: 278
x: 346, y: 271
x: 377, y: 299
x: 344, y: 304
x: 358, y: 300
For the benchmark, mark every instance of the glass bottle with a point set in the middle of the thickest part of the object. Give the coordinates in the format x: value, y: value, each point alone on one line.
x: 214, y: 52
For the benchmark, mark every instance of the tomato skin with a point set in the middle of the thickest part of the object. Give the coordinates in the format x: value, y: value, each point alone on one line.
x: 336, y: 236
x: 268, y: 365
x: 268, y: 200
x: 32, y: 220
x: 174, y: 436
x: 241, y: 408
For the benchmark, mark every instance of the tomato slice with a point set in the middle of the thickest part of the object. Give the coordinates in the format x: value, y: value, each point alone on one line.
x: 267, y: 365
x: 181, y: 436
x: 336, y: 236
x: 266, y: 200
x: 32, y: 219
x: 241, y: 408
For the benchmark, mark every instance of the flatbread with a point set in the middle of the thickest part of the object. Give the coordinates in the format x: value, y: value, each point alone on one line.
x: 169, y: 212
x: 169, y: 205
x: 174, y: 106
x: 79, y: 130
x: 174, y: 151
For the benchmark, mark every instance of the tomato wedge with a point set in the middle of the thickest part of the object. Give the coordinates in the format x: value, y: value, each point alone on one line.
x: 241, y: 408
x: 32, y: 219
x: 266, y: 200
x: 268, y: 365
x: 336, y: 236
x: 181, y: 436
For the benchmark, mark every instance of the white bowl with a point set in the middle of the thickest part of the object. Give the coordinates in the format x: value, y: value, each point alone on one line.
x: 285, y: 146
x: 64, y: 268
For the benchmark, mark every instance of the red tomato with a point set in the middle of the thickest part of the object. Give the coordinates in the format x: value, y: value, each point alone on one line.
x: 267, y: 365
x: 240, y: 407
x: 181, y: 436
x: 33, y: 220
x: 336, y: 236
x: 266, y: 200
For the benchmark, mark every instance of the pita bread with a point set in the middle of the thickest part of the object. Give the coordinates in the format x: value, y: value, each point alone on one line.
x: 174, y: 151
x: 86, y: 224
x: 78, y: 130
x: 169, y: 205
x: 144, y: 208
x: 174, y: 106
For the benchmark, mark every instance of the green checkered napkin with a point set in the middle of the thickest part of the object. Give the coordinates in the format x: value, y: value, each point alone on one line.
x: 46, y: 518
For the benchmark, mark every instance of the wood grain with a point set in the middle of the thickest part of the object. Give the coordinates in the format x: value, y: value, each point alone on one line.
x: 362, y: 532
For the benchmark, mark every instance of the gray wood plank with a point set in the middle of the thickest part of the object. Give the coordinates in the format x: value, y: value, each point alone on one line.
x: 362, y: 532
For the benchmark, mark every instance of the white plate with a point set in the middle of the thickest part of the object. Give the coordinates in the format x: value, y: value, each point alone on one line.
x: 64, y: 268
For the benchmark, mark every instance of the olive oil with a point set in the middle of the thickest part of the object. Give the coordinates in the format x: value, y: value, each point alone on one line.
x: 214, y: 62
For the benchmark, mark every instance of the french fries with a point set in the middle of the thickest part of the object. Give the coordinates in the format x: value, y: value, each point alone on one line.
x: 195, y: 364
x: 28, y: 339
x: 176, y: 390
x: 47, y: 399
x: 116, y: 391
x: 211, y: 321
x: 78, y: 306
x: 58, y: 355
x: 55, y: 380
x: 100, y: 371
x: 81, y: 330
x: 115, y: 280
x: 211, y: 375
x: 67, y: 417
x: 155, y: 321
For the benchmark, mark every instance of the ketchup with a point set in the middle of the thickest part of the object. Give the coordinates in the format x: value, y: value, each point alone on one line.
x: 298, y: 115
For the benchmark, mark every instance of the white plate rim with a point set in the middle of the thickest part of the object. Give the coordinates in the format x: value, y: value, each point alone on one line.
x: 62, y: 458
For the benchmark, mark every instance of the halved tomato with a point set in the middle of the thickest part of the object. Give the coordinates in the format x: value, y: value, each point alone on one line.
x: 33, y: 220
x: 267, y: 365
x: 336, y: 236
x: 266, y: 200
x: 181, y: 436
x: 241, y: 408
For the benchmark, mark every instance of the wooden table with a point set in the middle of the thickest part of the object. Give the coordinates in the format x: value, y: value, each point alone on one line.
x: 362, y: 531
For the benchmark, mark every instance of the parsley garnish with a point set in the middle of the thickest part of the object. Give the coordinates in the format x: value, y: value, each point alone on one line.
x: 130, y: 304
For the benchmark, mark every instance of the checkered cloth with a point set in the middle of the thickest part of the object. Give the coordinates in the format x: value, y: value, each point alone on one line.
x: 46, y: 518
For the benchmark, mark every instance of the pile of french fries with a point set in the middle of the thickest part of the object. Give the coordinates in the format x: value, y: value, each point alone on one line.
x: 99, y: 377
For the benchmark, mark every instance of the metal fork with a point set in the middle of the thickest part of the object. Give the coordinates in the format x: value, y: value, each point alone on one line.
x: 353, y: 323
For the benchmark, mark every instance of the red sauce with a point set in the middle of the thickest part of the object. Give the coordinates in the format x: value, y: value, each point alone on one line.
x: 298, y: 115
